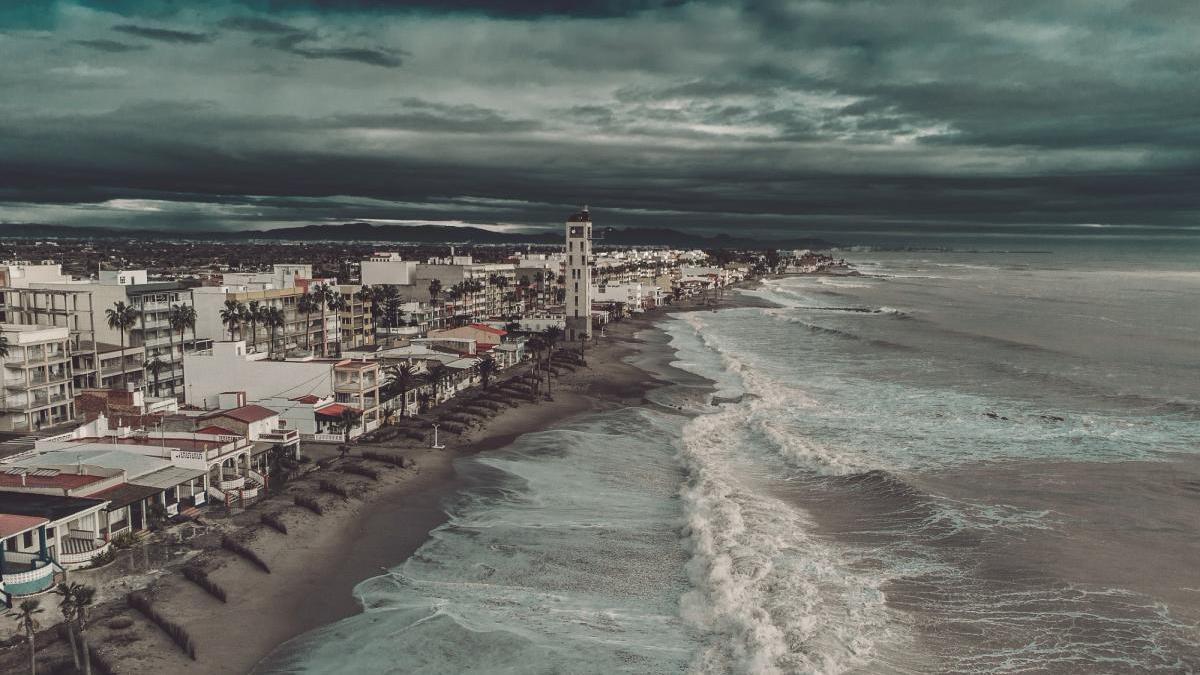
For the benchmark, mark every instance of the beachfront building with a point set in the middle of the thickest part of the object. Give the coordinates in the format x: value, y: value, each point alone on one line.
x: 37, y: 391
x: 68, y: 539
x: 579, y: 276
x: 130, y: 482
x: 634, y: 296
x: 227, y: 367
x: 223, y: 460
x: 25, y: 566
x: 356, y: 385
x: 483, y: 336
x: 299, y: 413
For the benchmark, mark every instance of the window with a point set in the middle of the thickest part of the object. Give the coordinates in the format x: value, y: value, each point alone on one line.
x: 27, y: 540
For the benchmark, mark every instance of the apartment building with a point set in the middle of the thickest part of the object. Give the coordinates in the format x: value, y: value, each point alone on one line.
x: 46, y: 299
x: 94, y: 364
x: 300, y: 331
x: 37, y: 391
x: 480, y: 299
x: 356, y: 384
x: 356, y: 322
x: 152, y: 331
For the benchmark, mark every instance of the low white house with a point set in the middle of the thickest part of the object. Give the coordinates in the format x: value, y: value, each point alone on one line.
x: 229, y: 367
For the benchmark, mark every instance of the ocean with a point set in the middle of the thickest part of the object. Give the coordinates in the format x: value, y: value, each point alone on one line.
x: 959, y: 462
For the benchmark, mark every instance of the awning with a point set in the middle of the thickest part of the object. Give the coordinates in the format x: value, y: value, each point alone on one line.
x: 125, y: 494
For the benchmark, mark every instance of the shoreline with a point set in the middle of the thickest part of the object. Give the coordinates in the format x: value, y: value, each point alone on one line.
x: 316, y: 566
x: 578, y: 393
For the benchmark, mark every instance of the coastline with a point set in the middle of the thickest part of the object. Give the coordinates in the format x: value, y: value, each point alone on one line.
x: 315, y: 567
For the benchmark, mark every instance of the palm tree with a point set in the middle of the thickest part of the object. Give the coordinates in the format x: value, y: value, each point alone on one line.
x: 180, y: 318
x: 24, y: 617
x: 273, y: 319
x: 324, y: 296
x: 390, y: 296
x: 76, y: 598
x: 486, y: 367
x: 67, y: 606
x: 400, y: 381
x: 231, y: 316
x: 391, y: 309
x: 122, y: 317
x: 435, y: 289
x: 306, y: 304
x: 552, y: 334
x: 155, y: 366
x: 535, y: 345
x: 337, y: 305
x: 84, y: 595
x: 371, y: 297
x: 254, y: 314
x: 435, y: 373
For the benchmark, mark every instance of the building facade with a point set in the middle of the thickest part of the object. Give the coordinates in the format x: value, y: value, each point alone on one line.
x: 38, y: 390
x: 579, y: 276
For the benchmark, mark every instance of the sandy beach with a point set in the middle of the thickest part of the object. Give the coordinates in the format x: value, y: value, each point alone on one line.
x: 315, y: 567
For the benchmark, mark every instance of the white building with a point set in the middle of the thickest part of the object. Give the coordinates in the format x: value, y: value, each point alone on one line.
x: 280, y: 276
x: 228, y: 367
x: 579, y: 276
x: 636, y: 295
x: 388, y: 268
x: 37, y: 390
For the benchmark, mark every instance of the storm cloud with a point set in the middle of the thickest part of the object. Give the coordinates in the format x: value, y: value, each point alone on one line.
x: 774, y: 116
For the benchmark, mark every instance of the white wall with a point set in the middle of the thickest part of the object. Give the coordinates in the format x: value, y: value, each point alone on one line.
x: 123, y: 277
x: 228, y: 368
x: 396, y: 272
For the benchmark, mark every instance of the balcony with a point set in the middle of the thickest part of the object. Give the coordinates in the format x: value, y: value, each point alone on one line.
x: 79, y: 548
x: 24, y: 574
x: 280, y: 436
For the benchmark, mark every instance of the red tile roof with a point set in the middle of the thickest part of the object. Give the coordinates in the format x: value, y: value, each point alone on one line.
x: 246, y: 414
x: 11, y: 524
x: 307, y: 398
x: 488, y: 329
x: 217, y: 431
x: 63, y: 481
x: 335, y: 410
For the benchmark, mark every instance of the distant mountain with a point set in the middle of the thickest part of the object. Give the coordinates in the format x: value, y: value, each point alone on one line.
x: 413, y: 234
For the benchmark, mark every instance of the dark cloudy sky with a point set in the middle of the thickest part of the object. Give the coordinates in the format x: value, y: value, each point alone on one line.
x: 1059, y: 117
